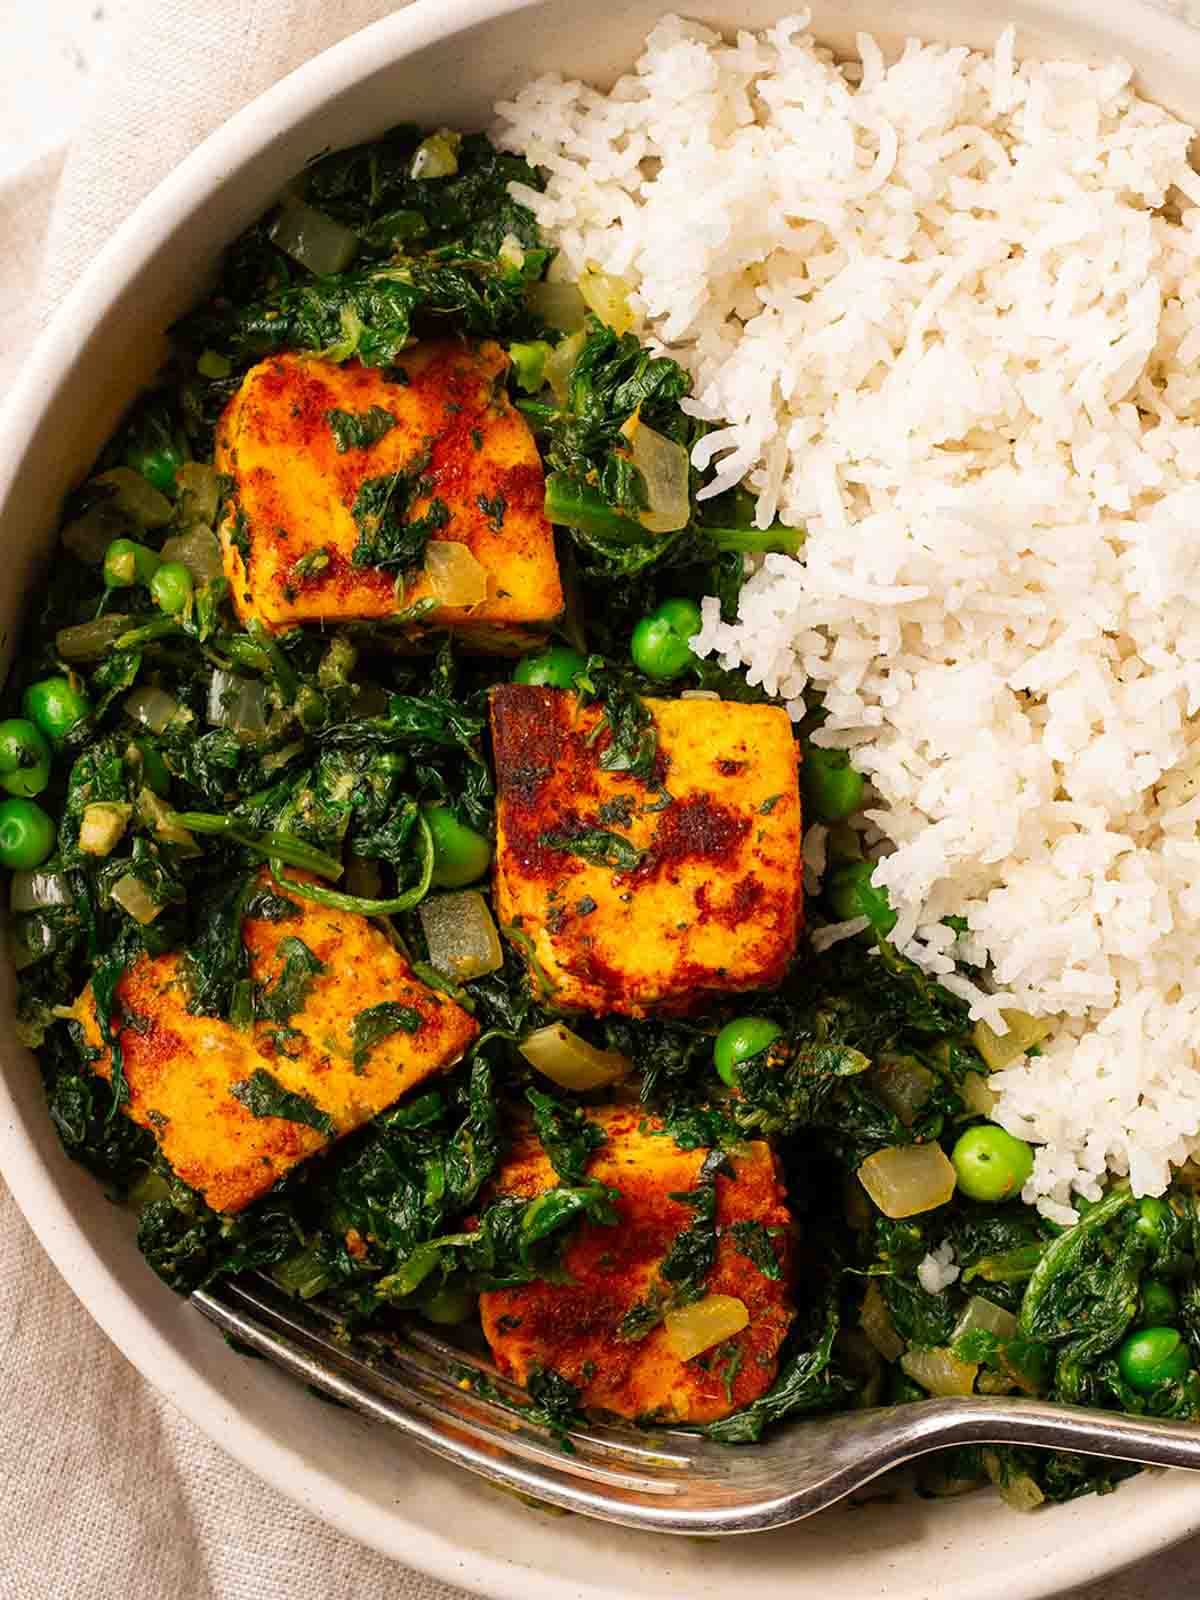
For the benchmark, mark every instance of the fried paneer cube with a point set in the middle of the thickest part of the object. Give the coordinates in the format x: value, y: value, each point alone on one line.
x: 592, y: 1327
x: 634, y: 897
x: 234, y: 1108
x: 329, y: 461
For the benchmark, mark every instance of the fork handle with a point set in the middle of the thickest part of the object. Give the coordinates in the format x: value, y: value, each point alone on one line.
x: 817, y: 1462
x: 1044, y: 1425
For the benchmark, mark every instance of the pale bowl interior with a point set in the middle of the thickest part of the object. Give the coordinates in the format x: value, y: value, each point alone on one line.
x: 441, y: 65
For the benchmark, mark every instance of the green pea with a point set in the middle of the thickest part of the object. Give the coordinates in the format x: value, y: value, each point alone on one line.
x: 851, y: 893
x: 554, y: 668
x: 659, y: 645
x: 155, y: 774
x: 460, y: 855
x: 1159, y: 1303
x: 449, y: 1304
x: 1153, y: 1357
x: 126, y: 562
x: 739, y: 1040
x: 1153, y: 1219
x: 55, y: 705
x: 832, y: 789
x: 24, y: 757
x: 27, y: 835
x: 171, y: 587
x: 310, y: 707
x: 157, y: 466
x: 990, y: 1163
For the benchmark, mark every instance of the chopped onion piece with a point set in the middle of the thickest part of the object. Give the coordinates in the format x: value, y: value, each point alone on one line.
x: 437, y: 155
x: 903, y: 1085
x: 35, y: 890
x: 695, y: 1328
x: 511, y: 252
x: 606, y: 295
x: 986, y: 1316
x: 699, y: 694
x: 994, y: 1383
x: 876, y: 1322
x: 155, y: 709
x: 940, y: 1371
x: 280, y: 758
x: 199, y: 487
x: 131, y: 895
x: 571, y: 1062
x: 1002, y: 1049
x: 156, y: 814
x: 664, y: 467
x: 198, y: 550
x: 454, y: 574
x: 461, y: 935
x: 314, y: 240
x: 90, y: 641
x: 906, y: 1179
x: 1017, y: 1489
x: 102, y: 825
x: 134, y: 497
x: 976, y: 1095
x: 559, y: 305
x: 237, y: 703
x: 560, y: 364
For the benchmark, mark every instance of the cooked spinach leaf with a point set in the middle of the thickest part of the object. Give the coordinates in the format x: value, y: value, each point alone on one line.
x: 379, y: 1022
x: 753, y: 1240
x: 568, y: 1136
x: 806, y: 1382
x: 263, y: 1095
x: 493, y: 510
x: 597, y: 845
x: 387, y: 535
x: 288, y: 993
x: 359, y: 430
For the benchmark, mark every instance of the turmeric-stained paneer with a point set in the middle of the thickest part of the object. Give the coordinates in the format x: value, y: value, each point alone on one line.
x: 365, y: 493
x: 617, y: 1326
x: 337, y: 1029
x: 638, y: 896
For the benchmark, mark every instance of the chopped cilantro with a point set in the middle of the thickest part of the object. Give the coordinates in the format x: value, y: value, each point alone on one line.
x: 263, y: 1095
x: 359, y: 430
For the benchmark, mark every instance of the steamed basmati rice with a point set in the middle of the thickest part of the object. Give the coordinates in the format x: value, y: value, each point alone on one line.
x: 945, y: 313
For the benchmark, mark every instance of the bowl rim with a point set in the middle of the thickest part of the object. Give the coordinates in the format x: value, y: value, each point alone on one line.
x: 100, y: 1289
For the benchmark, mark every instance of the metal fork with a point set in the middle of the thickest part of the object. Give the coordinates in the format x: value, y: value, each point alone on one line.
x: 671, y: 1481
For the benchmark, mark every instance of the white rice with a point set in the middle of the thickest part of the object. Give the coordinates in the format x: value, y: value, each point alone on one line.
x: 936, y: 1270
x: 946, y: 311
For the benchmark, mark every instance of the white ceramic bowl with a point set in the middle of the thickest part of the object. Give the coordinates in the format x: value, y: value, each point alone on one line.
x: 445, y: 64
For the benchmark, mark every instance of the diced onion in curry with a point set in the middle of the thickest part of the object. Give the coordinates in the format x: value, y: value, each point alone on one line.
x: 906, y: 1179
x: 694, y: 1328
x: 461, y: 935
x: 570, y: 1062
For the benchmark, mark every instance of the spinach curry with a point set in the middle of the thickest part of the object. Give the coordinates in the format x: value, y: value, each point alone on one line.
x: 221, y: 775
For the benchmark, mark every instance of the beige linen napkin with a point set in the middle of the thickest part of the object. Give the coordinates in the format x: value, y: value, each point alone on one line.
x: 105, y: 1489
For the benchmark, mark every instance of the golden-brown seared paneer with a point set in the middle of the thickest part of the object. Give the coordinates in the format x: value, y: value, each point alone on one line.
x: 310, y: 443
x: 597, y: 1328
x: 635, y: 897
x: 234, y: 1108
